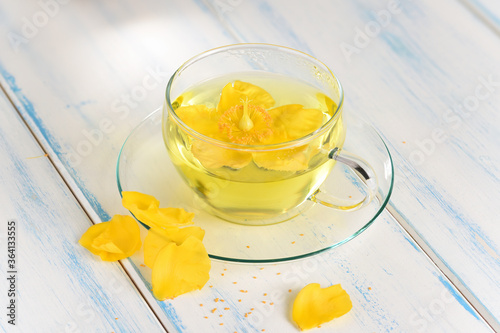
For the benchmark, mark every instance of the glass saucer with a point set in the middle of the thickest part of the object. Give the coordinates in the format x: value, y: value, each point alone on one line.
x: 144, y: 166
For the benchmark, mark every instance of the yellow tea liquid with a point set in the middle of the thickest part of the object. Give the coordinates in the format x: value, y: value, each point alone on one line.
x: 253, y: 194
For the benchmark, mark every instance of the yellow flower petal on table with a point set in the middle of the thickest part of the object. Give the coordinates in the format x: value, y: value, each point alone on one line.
x: 179, y: 269
x: 234, y: 92
x: 116, y: 239
x: 146, y: 208
x: 201, y: 119
x: 156, y: 239
x: 88, y: 237
x: 213, y: 157
x: 314, y: 305
x: 292, y: 122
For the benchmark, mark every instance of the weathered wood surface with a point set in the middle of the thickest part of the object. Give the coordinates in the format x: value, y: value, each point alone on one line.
x: 56, y: 285
x: 425, y: 74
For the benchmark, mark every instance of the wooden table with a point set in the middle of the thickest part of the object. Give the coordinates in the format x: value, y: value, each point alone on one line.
x: 78, y: 76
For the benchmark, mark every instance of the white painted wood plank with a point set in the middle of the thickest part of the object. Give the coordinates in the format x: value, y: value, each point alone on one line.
x: 427, y: 75
x: 59, y: 285
x: 107, y: 56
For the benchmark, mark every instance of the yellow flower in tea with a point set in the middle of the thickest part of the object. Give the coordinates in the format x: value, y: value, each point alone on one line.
x: 233, y: 93
x: 314, y: 305
x: 116, y: 239
x: 147, y: 209
x: 245, y: 115
x: 156, y: 239
x: 179, y: 269
x: 246, y: 123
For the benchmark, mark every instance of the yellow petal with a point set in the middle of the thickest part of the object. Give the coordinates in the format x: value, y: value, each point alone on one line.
x: 234, y: 92
x: 327, y: 103
x: 201, y: 119
x: 113, y: 240
x: 178, y: 101
x: 292, y: 122
x: 139, y: 201
x: 179, y: 269
x: 213, y: 157
x: 88, y: 237
x: 294, y: 159
x: 146, y: 209
x: 156, y: 239
x: 314, y: 306
x: 173, y: 217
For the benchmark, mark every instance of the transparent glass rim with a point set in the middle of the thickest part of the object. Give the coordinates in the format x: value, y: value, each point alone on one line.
x: 254, y: 148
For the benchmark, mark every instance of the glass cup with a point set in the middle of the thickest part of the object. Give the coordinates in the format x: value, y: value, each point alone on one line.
x: 255, y: 129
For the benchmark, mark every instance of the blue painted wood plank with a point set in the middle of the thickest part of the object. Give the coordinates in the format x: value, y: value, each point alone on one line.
x: 58, y: 285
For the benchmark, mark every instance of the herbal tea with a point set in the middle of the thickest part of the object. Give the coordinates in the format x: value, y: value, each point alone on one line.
x: 250, y: 162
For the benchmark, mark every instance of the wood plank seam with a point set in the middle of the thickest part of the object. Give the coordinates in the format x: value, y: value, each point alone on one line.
x: 92, y: 217
x: 481, y: 16
x: 480, y: 309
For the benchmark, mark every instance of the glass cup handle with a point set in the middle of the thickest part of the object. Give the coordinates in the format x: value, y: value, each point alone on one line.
x: 362, y: 169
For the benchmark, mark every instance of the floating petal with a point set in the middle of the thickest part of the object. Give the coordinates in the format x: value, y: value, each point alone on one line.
x: 294, y: 159
x: 292, y: 122
x: 213, y: 157
x: 234, y: 92
x: 201, y: 119
x: 327, y: 103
